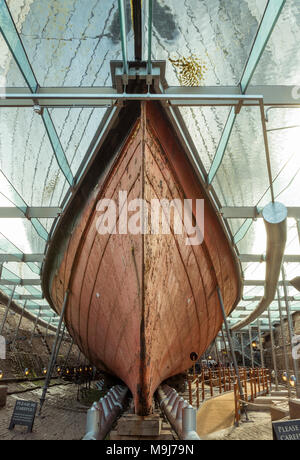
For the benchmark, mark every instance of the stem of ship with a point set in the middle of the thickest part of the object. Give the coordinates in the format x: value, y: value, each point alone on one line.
x: 53, y: 354
x: 232, y: 352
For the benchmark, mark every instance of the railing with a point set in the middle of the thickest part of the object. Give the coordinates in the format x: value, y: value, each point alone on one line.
x: 254, y: 382
x: 210, y: 383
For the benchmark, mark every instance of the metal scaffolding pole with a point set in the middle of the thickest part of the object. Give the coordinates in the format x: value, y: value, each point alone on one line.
x: 7, y: 310
x: 291, y: 333
x: 260, y: 345
x: 35, y: 324
x: 53, y: 354
x: 225, y: 346
x: 251, y: 347
x: 232, y: 349
x: 216, y: 351
x: 58, y: 346
x: 273, y: 351
x: 69, y: 352
x: 242, y: 344
x: 286, y: 361
x: 18, y: 327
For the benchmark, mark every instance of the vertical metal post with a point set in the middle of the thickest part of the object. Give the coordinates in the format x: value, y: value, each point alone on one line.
x: 291, y: 331
x: 287, y: 367
x: 7, y: 310
x: 58, y: 346
x: 69, y: 352
x: 225, y: 346
x: 53, y: 354
x: 18, y: 327
x: 260, y: 345
x: 217, y: 351
x: 231, y: 349
x: 35, y: 324
x: 251, y: 347
x: 273, y: 350
x: 242, y: 344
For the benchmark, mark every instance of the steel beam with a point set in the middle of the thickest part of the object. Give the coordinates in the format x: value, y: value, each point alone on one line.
x: 273, y: 95
x: 256, y: 298
x: 176, y: 96
x: 252, y: 212
x: 5, y: 258
x: 26, y: 99
x: 136, y: 8
x: 21, y: 282
x: 123, y: 29
x: 259, y: 283
x: 293, y: 258
x: 30, y: 213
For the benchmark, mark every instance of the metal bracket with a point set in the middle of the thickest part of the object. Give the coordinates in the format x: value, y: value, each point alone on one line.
x: 37, y: 108
x: 137, y: 71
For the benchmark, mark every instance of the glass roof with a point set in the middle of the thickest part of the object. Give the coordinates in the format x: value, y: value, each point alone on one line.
x: 213, y: 45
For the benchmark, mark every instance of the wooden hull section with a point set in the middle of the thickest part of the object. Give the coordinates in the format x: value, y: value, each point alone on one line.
x: 139, y: 305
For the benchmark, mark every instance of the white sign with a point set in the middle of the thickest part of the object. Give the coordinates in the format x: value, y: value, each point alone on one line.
x: 2, y: 347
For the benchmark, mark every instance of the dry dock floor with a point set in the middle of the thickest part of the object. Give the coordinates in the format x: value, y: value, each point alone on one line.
x: 63, y: 418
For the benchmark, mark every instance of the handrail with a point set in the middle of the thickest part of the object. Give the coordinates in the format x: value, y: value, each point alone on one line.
x: 254, y: 382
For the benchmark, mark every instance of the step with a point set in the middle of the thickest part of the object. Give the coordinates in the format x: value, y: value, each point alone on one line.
x: 280, y: 393
x: 165, y: 435
x: 259, y: 407
x: 269, y: 399
x: 294, y: 405
x: 134, y: 425
x: 278, y: 414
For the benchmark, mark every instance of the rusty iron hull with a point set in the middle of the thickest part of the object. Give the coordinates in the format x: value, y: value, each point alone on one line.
x: 139, y: 305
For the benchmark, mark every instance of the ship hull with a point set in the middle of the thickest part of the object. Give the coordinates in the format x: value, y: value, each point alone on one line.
x: 141, y: 302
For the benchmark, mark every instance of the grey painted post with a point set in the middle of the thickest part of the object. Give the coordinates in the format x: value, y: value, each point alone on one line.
x: 291, y: 332
x: 251, y: 347
x: 231, y: 349
x: 35, y: 324
x: 7, y: 310
x: 260, y: 345
x: 58, y: 347
x: 19, y: 324
x: 273, y: 350
x: 242, y: 344
x: 69, y: 352
x: 53, y: 354
x: 287, y: 366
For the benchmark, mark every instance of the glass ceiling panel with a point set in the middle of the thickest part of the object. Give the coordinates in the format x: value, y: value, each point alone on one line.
x: 25, y: 151
x: 280, y: 62
x: 242, y: 178
x: 76, y: 128
x: 10, y: 74
x: 285, y: 158
x: 22, y: 233
x: 8, y: 248
x: 205, y: 126
x: 22, y: 270
x: 217, y: 33
x: 69, y: 42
